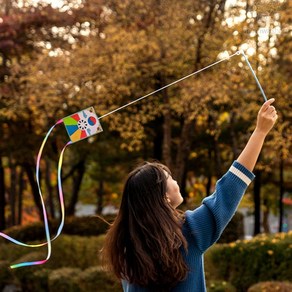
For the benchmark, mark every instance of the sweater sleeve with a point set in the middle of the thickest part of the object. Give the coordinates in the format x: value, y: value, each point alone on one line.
x: 207, y: 222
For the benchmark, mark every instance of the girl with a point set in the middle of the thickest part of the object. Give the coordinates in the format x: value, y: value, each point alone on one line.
x: 151, y: 246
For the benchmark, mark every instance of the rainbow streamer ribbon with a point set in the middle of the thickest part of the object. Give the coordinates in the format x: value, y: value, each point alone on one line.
x: 79, y: 126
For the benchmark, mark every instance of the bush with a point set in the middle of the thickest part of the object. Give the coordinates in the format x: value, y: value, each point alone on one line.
x: 75, y: 251
x: 67, y: 251
x: 64, y: 280
x: 263, y: 258
x: 70, y: 251
x: 83, y: 226
x: 6, y: 275
x: 41, y: 279
x: 94, y: 277
x: 271, y: 287
x: 11, y: 252
x: 25, y: 275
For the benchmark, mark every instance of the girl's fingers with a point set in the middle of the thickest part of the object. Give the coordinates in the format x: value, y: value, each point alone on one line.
x: 267, y: 104
x: 271, y: 109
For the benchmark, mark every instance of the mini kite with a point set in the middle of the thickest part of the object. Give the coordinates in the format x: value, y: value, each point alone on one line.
x: 82, y: 124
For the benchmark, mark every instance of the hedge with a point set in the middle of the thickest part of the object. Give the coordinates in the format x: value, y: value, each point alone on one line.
x: 95, y: 279
x: 83, y: 226
x: 64, y: 280
x: 25, y: 275
x: 6, y: 275
x: 264, y: 258
x: 68, y: 252
x: 236, y: 265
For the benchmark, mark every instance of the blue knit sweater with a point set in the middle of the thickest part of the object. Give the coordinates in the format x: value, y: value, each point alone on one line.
x: 204, y: 225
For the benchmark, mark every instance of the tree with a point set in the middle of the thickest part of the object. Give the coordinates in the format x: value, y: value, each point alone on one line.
x: 25, y: 32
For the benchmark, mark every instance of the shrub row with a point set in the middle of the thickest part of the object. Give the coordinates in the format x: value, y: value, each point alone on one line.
x: 229, y: 267
x: 73, y: 266
x: 264, y: 258
x: 66, y: 280
x: 93, y: 226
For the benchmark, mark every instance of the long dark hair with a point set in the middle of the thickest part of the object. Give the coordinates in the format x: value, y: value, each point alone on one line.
x: 143, y: 245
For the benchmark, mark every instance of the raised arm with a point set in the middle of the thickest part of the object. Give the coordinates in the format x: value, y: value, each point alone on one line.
x: 266, y: 119
x: 207, y: 222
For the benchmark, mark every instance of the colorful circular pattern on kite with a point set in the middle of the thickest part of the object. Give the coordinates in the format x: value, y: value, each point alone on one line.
x: 76, y: 127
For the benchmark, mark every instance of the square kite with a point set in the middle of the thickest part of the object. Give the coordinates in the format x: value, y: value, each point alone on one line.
x: 82, y: 124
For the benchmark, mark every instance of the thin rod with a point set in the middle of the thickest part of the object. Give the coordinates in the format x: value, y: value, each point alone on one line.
x: 254, y: 75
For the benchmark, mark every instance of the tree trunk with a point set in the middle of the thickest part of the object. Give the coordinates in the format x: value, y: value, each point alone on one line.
x: 161, y: 81
x: 281, y: 186
x: 166, y: 143
x: 266, y: 212
x: 100, y: 193
x: 158, y: 139
x: 77, y: 180
x: 235, y: 150
x: 183, y: 152
x: 20, y: 193
x: 50, y: 189
x: 257, y: 202
x: 166, y: 146
x: 12, y: 191
x: 209, y: 173
x: 217, y: 158
x: 208, y: 22
x: 34, y: 189
x: 2, y: 197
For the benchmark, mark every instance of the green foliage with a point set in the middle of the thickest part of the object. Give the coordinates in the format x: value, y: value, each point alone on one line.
x: 30, y: 232
x: 25, y: 275
x: 41, y: 280
x: 64, y: 280
x: 263, y: 258
x: 85, y: 226
x: 74, y: 280
x: 239, y: 264
x: 271, y: 287
x: 74, y: 251
x: 67, y: 251
x: 94, y: 277
x: 6, y: 275
x: 72, y: 257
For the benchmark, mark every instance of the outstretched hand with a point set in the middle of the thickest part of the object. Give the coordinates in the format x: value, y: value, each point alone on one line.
x: 267, y: 117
